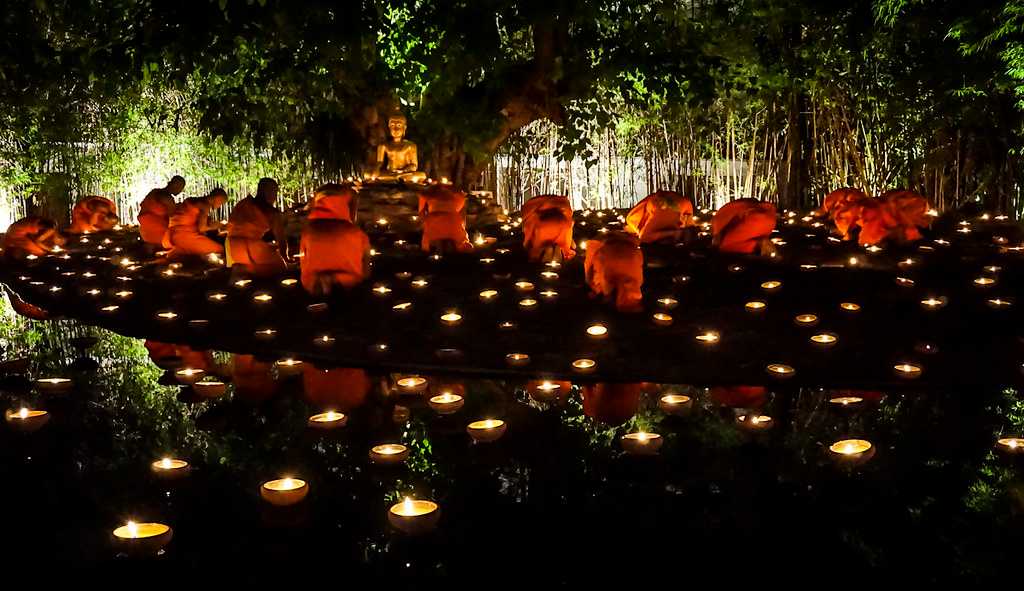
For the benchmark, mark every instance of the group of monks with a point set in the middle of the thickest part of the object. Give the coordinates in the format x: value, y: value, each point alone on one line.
x: 335, y: 252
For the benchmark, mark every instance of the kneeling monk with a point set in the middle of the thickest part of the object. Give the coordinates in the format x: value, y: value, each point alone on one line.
x: 898, y: 215
x: 661, y: 216
x: 547, y: 228
x: 156, y: 209
x: 843, y: 206
x: 33, y: 235
x: 252, y: 219
x: 444, y: 221
x: 93, y: 214
x: 186, y: 232
x: 744, y: 226
x: 614, y: 267
x: 334, y: 250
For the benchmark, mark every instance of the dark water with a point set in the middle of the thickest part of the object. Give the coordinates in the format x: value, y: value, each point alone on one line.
x: 555, y: 502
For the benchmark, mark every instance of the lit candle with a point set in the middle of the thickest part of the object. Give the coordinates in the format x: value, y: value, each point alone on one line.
x: 198, y: 323
x: 707, y: 338
x: 824, y: 340
x: 284, y: 492
x: 907, y: 370
x: 389, y: 453
x: 327, y: 420
x: 849, y: 307
x: 527, y: 303
x: 451, y: 318
x: 166, y: 315
x: 446, y: 403
x: 549, y: 275
x: 524, y: 286
x: 241, y: 283
x: 549, y: 294
x: 189, y: 375
x: 851, y: 451
x: 641, y: 443
x: 755, y: 306
x: 414, y: 517
x: 324, y: 340
x: 904, y: 282
x: 487, y: 430
x: 675, y: 404
x: 263, y: 298
x: 517, y: 359
x: 288, y: 366
x: 265, y: 334
x: 806, y: 319
x: 584, y: 365
x: 123, y: 294
x: 846, y: 402
x: 209, y: 388
x: 412, y: 384
x: 998, y: 303
x: 597, y: 331
x: 289, y: 282
x: 546, y: 391
x: 142, y: 538
x: 109, y: 309
x: 771, y: 286
x: 668, y: 302
x: 661, y: 319
x: 488, y: 295
x: 26, y: 420
x: 1010, y: 445
x: 402, y: 307
x: 317, y: 308
x: 755, y: 422
x: 169, y: 468
x: 54, y: 385
x: 933, y: 303
x: 400, y: 414
x: 506, y: 325
x: 780, y: 370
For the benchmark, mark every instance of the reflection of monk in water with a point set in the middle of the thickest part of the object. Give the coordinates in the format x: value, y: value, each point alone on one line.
x: 611, y: 404
x: 547, y: 228
x: 32, y: 235
x: 614, y: 268
x: 250, y: 221
x: 744, y: 226
x: 253, y: 379
x: 186, y: 231
x: 171, y: 356
x: 93, y: 214
x: 660, y: 217
x: 342, y: 388
x: 444, y: 220
x: 740, y: 396
x: 156, y: 209
x: 335, y: 252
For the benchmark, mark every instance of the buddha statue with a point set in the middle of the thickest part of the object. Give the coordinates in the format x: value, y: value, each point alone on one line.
x: 400, y: 155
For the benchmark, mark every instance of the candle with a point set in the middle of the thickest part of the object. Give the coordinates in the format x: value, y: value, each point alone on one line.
x: 506, y: 325
x: 641, y: 443
x: 661, y: 319
x: 755, y: 422
x: 288, y: 366
x: 549, y: 294
x: 487, y: 430
x: 806, y: 319
x: 528, y: 303
x: 166, y: 315
x: 446, y: 403
x: 984, y: 281
x: 597, y: 331
x: 389, y: 453
x: 317, y: 308
x: 289, y: 282
x: 1010, y: 445
x: 851, y: 452
x: 846, y: 402
x: 284, y: 492
x: 933, y: 303
x: 488, y: 295
x: 265, y: 334
x: 771, y: 286
x: 546, y: 391
x: 198, y: 323
x: 849, y: 307
x: 241, y: 283
x: 209, y: 388
x: 517, y: 359
x: 549, y: 275
x: 707, y: 338
x: 451, y: 318
x: 169, y: 468
x: 584, y: 365
x: 402, y: 307
x: 675, y: 404
x: 54, y: 385
x: 263, y: 298
x: 123, y: 294
x: 412, y: 384
x: 26, y: 420
x: 780, y: 370
x: 324, y: 340
x: 907, y: 370
x: 189, y: 375
x: 755, y: 306
x: 414, y: 517
x: 904, y: 282
x: 998, y: 303
x: 142, y: 538
x: 327, y: 420
x: 824, y: 340
x: 668, y: 302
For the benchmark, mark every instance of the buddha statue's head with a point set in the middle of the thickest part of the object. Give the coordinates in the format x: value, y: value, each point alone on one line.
x: 397, y: 124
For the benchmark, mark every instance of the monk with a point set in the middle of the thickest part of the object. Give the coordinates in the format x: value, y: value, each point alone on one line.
x: 93, y: 214
x: 614, y: 268
x: 33, y: 235
x: 252, y: 219
x: 744, y: 226
x: 444, y: 220
x: 896, y: 216
x: 844, y: 207
x: 186, y: 231
x: 156, y: 209
x: 341, y: 388
x: 660, y: 217
x: 547, y: 228
x: 335, y: 252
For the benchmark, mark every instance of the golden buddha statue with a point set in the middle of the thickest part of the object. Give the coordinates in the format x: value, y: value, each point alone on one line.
x: 400, y: 155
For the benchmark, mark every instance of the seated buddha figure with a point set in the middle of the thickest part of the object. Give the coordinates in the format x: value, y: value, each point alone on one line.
x: 396, y: 159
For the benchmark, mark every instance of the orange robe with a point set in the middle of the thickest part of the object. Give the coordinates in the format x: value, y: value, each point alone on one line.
x: 333, y: 248
x: 840, y: 198
x: 443, y: 220
x: 253, y: 379
x: 154, y: 214
x: 183, y: 235
x: 249, y: 221
x: 739, y: 226
x: 897, y: 215
x: 611, y: 404
x: 740, y: 396
x: 614, y: 266
x: 844, y: 207
x: 23, y: 237
x: 547, y: 221
x: 660, y: 216
x: 93, y: 214
x: 342, y: 388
